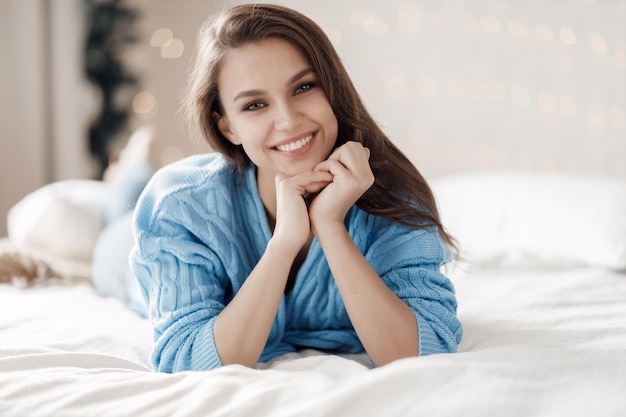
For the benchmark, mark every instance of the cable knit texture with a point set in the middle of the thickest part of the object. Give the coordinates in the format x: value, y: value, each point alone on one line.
x: 199, y: 233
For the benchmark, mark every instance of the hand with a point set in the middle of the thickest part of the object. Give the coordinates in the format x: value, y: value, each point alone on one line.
x: 351, y: 177
x: 292, y: 217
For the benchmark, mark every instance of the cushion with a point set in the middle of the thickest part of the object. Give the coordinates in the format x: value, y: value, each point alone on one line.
x: 532, y: 219
x: 62, y: 219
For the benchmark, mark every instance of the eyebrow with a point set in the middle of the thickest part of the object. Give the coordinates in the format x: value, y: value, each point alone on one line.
x: 251, y: 93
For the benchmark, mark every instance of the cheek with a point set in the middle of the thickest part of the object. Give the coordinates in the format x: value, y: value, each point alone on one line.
x: 331, y: 123
x: 250, y: 131
x: 253, y: 140
x: 326, y: 116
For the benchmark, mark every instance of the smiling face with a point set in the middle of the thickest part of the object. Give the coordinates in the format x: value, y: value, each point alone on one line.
x: 274, y: 108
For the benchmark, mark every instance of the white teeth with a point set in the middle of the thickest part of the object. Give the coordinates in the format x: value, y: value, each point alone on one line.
x: 294, y: 145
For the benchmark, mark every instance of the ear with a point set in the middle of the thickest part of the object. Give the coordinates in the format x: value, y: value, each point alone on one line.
x: 224, y: 127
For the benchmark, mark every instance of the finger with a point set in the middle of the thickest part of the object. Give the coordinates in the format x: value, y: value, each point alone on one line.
x: 352, y: 171
x: 303, y: 178
x: 317, y: 181
x: 311, y: 177
x: 333, y: 166
x: 351, y: 150
x: 315, y: 187
x: 302, y: 182
x: 355, y: 158
x: 336, y: 154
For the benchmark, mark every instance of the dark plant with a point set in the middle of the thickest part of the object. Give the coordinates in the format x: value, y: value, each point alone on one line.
x: 111, y: 29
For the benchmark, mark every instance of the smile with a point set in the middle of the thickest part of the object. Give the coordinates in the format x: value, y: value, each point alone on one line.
x: 294, y: 146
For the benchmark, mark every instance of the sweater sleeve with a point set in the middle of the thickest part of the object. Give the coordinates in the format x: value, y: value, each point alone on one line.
x: 181, y: 277
x: 409, y: 262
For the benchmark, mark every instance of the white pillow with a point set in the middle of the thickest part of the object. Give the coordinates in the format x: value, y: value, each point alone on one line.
x: 62, y: 219
x: 526, y: 219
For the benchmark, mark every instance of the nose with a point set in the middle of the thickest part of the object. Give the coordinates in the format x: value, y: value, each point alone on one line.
x: 287, y: 116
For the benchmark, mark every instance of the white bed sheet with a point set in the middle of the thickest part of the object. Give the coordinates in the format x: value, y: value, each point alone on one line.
x: 537, y: 343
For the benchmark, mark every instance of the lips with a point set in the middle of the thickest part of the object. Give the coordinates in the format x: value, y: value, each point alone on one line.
x: 294, y: 145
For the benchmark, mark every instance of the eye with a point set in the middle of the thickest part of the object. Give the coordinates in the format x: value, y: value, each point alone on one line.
x: 304, y: 87
x: 254, y: 106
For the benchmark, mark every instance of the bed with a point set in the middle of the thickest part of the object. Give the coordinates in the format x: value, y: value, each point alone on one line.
x: 542, y: 298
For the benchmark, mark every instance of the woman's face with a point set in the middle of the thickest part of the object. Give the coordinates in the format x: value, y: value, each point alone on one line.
x: 274, y: 107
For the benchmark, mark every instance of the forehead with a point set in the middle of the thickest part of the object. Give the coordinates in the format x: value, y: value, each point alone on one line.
x: 260, y: 64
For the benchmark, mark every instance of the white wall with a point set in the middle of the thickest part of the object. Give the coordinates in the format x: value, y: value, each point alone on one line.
x: 458, y: 84
x: 23, y: 123
x: 44, y: 102
x: 74, y: 102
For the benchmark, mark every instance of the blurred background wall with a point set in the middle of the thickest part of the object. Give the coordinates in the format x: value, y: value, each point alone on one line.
x: 533, y: 85
x: 45, y: 100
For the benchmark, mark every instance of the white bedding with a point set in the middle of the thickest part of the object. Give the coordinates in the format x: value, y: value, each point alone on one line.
x: 549, y: 342
x: 543, y: 309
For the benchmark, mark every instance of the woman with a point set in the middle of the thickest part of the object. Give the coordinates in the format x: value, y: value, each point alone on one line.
x: 306, y: 228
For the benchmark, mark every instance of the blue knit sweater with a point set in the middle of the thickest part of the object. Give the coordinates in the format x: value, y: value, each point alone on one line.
x: 200, y: 231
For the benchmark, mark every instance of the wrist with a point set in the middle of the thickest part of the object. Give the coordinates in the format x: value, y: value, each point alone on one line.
x: 287, y: 249
x: 328, y: 229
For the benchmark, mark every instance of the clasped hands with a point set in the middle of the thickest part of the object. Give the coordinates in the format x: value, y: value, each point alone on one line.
x: 334, y: 185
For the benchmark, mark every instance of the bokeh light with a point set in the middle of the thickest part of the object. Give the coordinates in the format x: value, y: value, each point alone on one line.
x: 144, y: 102
x: 599, y: 44
x: 160, y: 37
x: 409, y: 14
x: 544, y: 33
x: 517, y: 28
x: 546, y: 102
x: 173, y: 49
x: 568, y: 36
x: 427, y: 87
x: 616, y: 116
x: 490, y: 23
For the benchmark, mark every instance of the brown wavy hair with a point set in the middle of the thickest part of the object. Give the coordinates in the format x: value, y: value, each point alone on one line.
x: 399, y: 193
